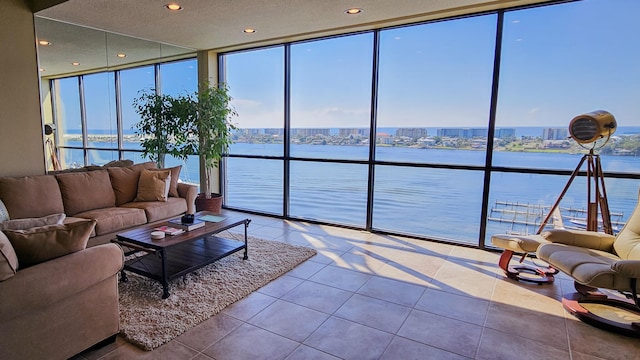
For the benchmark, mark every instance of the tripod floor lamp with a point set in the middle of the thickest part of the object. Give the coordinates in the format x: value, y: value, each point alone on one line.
x: 594, y: 128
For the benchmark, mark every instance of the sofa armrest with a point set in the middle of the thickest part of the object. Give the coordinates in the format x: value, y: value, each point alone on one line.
x: 189, y: 193
x: 629, y: 268
x: 581, y: 238
x: 48, y: 282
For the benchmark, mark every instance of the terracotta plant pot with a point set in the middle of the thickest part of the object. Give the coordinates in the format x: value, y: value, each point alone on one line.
x: 213, y: 203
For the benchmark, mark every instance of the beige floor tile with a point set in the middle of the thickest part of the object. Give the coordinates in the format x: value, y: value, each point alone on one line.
x: 541, y: 298
x: 341, y: 278
x: 306, y: 269
x: 442, y: 332
x: 534, y: 325
x: 169, y: 351
x: 319, y: 297
x: 405, y: 349
x: 398, y: 292
x: 250, y: 342
x: 500, y: 345
x: 304, y: 352
x: 359, y: 261
x: 317, y: 241
x: 401, y: 272
x: 459, y: 307
x: 593, y: 341
x: 375, y: 313
x: 327, y: 256
x: 246, y: 308
x: 349, y: 340
x: 464, y: 280
x: 280, y: 286
x: 292, y: 321
x: 209, y: 331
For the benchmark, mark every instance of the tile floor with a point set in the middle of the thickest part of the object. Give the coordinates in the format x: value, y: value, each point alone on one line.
x: 368, y: 296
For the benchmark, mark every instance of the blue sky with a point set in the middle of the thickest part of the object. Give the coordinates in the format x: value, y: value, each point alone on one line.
x: 557, y: 62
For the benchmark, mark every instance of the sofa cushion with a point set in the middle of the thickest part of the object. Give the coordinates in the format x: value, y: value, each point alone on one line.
x: 86, y: 191
x: 114, y: 218
x: 175, y: 176
x: 153, y: 185
x: 8, y: 258
x: 44, y: 243
x: 31, y: 196
x: 158, y: 210
x: 28, y: 223
x: 124, y: 181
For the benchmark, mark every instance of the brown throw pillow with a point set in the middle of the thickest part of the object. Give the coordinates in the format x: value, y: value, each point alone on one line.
x: 153, y: 185
x: 8, y: 258
x: 44, y: 243
x: 28, y: 223
x: 175, y: 176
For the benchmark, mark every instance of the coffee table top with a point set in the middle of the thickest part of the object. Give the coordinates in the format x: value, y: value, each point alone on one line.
x: 142, y: 235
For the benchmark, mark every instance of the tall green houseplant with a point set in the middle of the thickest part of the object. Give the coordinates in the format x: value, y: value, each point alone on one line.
x: 162, y: 125
x: 210, y: 129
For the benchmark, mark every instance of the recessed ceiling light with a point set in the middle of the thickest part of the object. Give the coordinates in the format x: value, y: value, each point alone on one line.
x: 121, y: 55
x: 75, y: 63
x: 353, y: 11
x: 44, y: 42
x: 41, y: 69
x: 249, y: 30
x: 173, y: 7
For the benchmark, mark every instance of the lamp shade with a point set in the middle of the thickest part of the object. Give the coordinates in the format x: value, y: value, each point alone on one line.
x: 589, y: 127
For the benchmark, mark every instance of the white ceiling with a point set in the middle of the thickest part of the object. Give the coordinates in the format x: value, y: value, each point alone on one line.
x: 218, y: 24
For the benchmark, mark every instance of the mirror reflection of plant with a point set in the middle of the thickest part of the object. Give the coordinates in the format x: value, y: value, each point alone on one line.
x: 162, y: 125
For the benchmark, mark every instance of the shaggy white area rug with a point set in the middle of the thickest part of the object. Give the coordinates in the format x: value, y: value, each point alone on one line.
x: 148, y: 321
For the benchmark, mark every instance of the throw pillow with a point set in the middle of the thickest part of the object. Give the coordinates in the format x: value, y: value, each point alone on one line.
x: 153, y: 185
x: 175, y: 175
x: 44, y: 243
x: 4, y: 213
x: 28, y: 223
x: 8, y: 258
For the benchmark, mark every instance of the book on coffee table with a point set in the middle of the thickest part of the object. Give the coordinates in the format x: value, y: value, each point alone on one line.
x: 170, y: 230
x: 177, y: 223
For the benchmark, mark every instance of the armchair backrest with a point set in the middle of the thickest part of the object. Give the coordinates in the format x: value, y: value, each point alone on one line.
x: 627, y: 244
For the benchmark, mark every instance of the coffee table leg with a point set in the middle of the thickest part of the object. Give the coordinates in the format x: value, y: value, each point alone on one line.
x: 246, y: 246
x: 165, y: 282
x: 123, y: 276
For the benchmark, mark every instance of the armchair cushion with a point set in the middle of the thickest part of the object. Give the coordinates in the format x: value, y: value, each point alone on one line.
x: 581, y: 238
x: 629, y: 268
x: 589, y: 267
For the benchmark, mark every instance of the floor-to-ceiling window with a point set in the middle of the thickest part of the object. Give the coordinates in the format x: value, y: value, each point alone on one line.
x: 434, y: 93
x: 557, y: 64
x: 454, y: 129
x: 258, y: 97
x: 96, y: 118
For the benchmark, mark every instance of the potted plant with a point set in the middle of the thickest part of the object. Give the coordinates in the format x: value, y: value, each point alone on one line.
x: 210, y: 134
x: 162, y: 126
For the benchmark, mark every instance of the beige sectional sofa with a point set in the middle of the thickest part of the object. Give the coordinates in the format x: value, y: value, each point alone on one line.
x: 55, y: 308
x: 106, y: 195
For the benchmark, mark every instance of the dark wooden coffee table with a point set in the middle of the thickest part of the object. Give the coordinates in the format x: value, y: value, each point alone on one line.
x: 174, y: 256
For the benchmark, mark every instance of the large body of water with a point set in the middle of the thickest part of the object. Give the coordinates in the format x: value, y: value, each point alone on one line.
x: 439, y: 203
